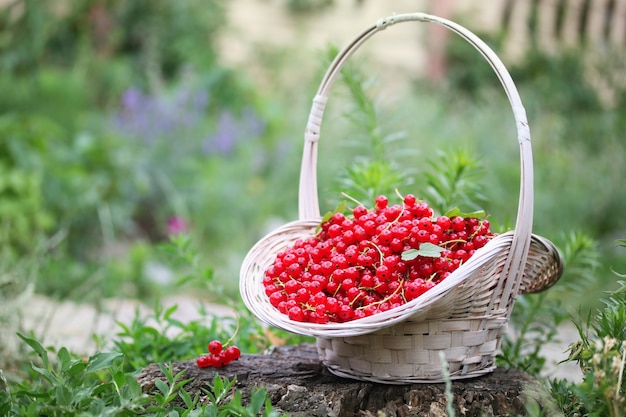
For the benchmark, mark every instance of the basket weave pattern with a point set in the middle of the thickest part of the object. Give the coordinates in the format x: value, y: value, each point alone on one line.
x: 461, y: 318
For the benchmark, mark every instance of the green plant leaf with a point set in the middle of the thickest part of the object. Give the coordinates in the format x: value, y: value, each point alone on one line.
x: 64, y: 358
x: 456, y: 212
x: 37, y: 347
x: 257, y: 400
x: 45, y: 373
x: 103, y: 389
x: 426, y: 249
x: 132, y: 386
x: 119, y: 378
x: 162, y: 386
x: 76, y: 368
x: 171, y: 310
x: 341, y: 207
x: 102, y: 360
x: 189, y: 402
x: 62, y: 395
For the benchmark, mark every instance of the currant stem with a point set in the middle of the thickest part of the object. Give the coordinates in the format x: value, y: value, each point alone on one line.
x: 354, y: 200
x: 237, y: 321
x: 387, y: 298
x: 380, y: 252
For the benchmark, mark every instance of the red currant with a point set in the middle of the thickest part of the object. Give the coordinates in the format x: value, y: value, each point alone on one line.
x: 409, y: 200
x: 215, y: 347
x: 444, y: 222
x: 232, y: 353
x: 381, y: 202
x: 353, y: 267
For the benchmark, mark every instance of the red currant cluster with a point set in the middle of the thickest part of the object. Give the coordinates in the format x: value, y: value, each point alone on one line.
x: 217, y: 356
x: 371, y: 261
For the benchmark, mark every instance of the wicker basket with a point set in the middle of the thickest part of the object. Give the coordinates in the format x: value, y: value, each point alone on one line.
x: 463, y: 317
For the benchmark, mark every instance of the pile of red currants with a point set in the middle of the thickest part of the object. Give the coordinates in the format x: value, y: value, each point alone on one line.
x: 218, y: 356
x: 371, y: 260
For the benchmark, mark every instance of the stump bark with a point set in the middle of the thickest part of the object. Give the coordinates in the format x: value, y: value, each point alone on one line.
x: 298, y: 384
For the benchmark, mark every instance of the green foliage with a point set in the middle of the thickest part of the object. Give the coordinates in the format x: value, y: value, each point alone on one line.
x: 535, y: 318
x: 563, y: 76
x: 454, y: 178
x: 581, y: 257
x: 224, y: 403
x: 534, y: 323
x: 105, y: 383
x: 54, y: 183
x: 366, y: 180
x: 162, y: 338
x: 159, y: 36
x: 468, y: 72
x: 24, y: 215
x: 103, y: 386
x: 67, y: 385
x: 307, y: 6
x: 601, y: 354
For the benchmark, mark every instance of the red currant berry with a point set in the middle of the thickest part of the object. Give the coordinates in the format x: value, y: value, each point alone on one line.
x: 444, y: 222
x: 359, y: 211
x: 204, y: 361
x: 412, y: 290
x: 219, y: 360
x: 479, y: 241
x: 232, y: 353
x: 423, y: 210
x: 295, y: 314
x: 332, y: 287
x: 383, y: 272
x: 215, y: 347
x: 381, y: 202
x: 334, y: 230
x: 345, y: 312
x: 457, y: 224
x: 332, y: 305
x: 409, y: 200
x: 277, y: 297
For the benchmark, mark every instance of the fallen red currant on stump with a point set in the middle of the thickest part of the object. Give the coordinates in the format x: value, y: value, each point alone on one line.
x: 217, y: 356
x: 370, y: 261
x: 215, y: 347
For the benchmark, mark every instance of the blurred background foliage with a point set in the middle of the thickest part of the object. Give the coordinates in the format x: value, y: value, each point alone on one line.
x: 119, y: 126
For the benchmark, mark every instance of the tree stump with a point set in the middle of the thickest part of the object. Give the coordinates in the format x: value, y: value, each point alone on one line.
x: 298, y: 384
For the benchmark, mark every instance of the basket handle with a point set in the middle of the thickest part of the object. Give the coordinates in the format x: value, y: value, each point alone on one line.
x: 308, y: 201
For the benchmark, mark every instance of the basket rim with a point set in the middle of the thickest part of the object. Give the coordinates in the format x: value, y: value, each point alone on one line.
x: 363, y: 325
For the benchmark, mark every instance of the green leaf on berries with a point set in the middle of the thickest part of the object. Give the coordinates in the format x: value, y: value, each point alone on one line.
x: 456, y: 212
x: 341, y: 208
x: 426, y: 249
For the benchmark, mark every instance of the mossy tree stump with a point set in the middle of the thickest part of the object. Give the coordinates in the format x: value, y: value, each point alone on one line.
x: 299, y: 385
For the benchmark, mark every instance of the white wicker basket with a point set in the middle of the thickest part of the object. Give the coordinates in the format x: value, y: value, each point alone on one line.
x: 464, y: 316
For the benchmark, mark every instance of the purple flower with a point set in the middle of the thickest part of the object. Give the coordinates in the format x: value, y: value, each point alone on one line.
x: 178, y: 122
x: 232, y: 130
x: 223, y: 141
x: 176, y: 225
x: 157, y: 117
x: 132, y: 99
